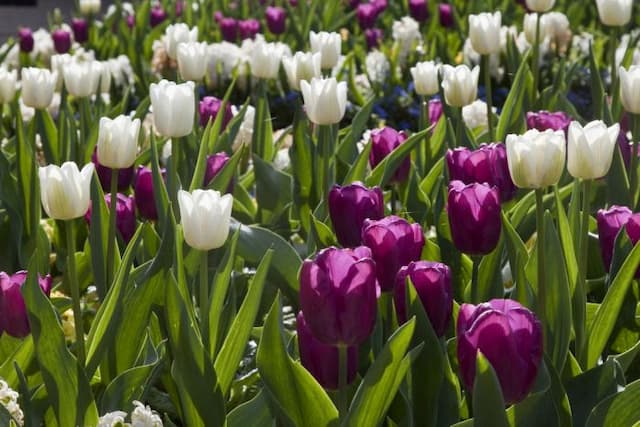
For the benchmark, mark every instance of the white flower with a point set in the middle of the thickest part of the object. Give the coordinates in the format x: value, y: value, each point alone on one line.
x: 621, y: 51
x: 590, y: 149
x: 265, y: 60
x: 205, y: 217
x: 89, y: 7
x: 282, y: 160
x: 557, y: 28
x: 484, y: 32
x: 328, y: 45
x: 530, y: 26
x: 630, y: 89
x: 143, y: 416
x: 302, y: 66
x: 536, y: 159
x: 37, y: 87
x: 377, y: 66
x: 112, y: 419
x: 8, y: 82
x: 65, y: 190
x: 460, y: 85
x: 118, y: 142
x: 475, y: 114
x: 425, y: 77
x: 472, y: 58
x: 540, y: 5
x: 615, y: 13
x: 9, y: 399
x: 81, y: 78
x: 245, y: 133
x: 405, y: 32
x: 192, y: 60
x: 173, y: 107
x: 175, y: 35
x: 325, y: 100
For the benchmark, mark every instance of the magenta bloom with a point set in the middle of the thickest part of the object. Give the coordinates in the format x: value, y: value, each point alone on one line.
x: 419, y: 10
x: 445, y: 11
x: 229, y: 29
x: 432, y: 281
x: 373, y: 36
x: 384, y: 141
x: 610, y: 222
x: 61, y: 40
x: 367, y: 14
x: 322, y: 360
x: 248, y: 28
x: 157, y: 15
x: 80, y: 29
x: 338, y: 294
x: 380, y: 5
x: 13, y: 312
x: 26, y: 39
x: 349, y: 206
x: 143, y: 193
x: 435, y: 110
x: 509, y: 336
x: 276, y: 19
x: 209, y: 108
x: 125, y: 215
x: 543, y: 120
x: 125, y: 176
x: 131, y: 21
x: 215, y: 163
x: 394, y: 243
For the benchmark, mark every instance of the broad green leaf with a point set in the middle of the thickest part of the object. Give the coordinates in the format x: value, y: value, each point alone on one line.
x: 358, y: 169
x: 254, y: 412
x: 490, y: 274
x: 621, y: 409
x: 488, y: 403
x: 513, y: 106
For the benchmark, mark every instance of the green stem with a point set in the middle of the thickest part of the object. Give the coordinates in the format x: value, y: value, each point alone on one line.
x: 475, y: 297
x: 536, y: 56
x: 204, y: 296
x: 342, y: 380
x: 85, y: 123
x: 324, y: 171
x: 460, y: 133
x: 174, y: 180
x: 74, y: 287
x: 633, y: 173
x: 581, y: 340
x: 486, y: 69
x: 613, y: 39
x: 542, y: 291
x: 112, y: 228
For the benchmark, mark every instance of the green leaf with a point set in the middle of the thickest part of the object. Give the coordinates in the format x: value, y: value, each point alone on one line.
x: 348, y: 146
x: 599, y: 97
x: 621, y: 409
x: 273, y: 187
x: 358, y: 169
x: 262, y: 141
x: 488, y: 403
x: 513, y: 106
x: 49, y: 134
x: 254, y: 412
x: 490, y: 274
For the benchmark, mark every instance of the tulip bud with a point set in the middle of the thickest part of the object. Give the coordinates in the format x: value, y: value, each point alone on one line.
x: 61, y: 40
x: 192, y: 60
x: 435, y: 110
x: 338, y: 294
x: 329, y: 45
x: 177, y: 34
x: 629, y: 86
x: 325, y: 100
x: 65, y: 190
x: 104, y: 174
x: 394, y: 243
x: 265, y: 60
x: 610, y: 222
x: 367, y: 15
x: 509, y: 336
x: 460, y: 85
x: 432, y: 281
x: 209, y: 108
x: 205, y: 218
x: 157, y: 15
x: 173, y: 108
x: 215, y: 163
x: 590, y: 149
x: 543, y: 120
x: 143, y: 193
x: 8, y: 85
x: 349, y: 206
x: 322, y: 360
x: 614, y: 13
x: 474, y: 217
x: 248, y: 28
x: 536, y: 159
x: 229, y: 29
x: 125, y: 215
x: 26, y: 39
x: 373, y: 37
x: 37, y: 87
x: 276, y: 19
x: 425, y: 78
x: 302, y: 66
x: 384, y: 141
x: 540, y: 6
x: 118, y: 142
x: 419, y: 10
x: 80, y: 30
x: 445, y: 12
x: 484, y: 32
x: 13, y: 312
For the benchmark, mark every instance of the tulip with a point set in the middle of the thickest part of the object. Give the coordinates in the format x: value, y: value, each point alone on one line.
x: 633, y: 231
x: 325, y: 100
x: 248, y: 28
x: 302, y: 66
x: 177, y: 34
x: 131, y: 21
x: 89, y: 7
x: 173, y: 108
x: 614, y: 13
x: 380, y: 5
x: 80, y: 30
x: 540, y: 6
x: 509, y: 336
x: 474, y: 217
x: 329, y: 45
x: 61, y: 40
x: 366, y: 14
x: 192, y: 60
x: 8, y: 85
x: 322, y: 360
x: 143, y: 193
x: 338, y: 294
x: 265, y: 60
x: 435, y: 110
x: 104, y: 174
x: 157, y: 15
x: 445, y: 12
x: 13, y: 311
x: 530, y: 27
x: 460, y: 85
x: 215, y: 163
x: 484, y: 32
x: 610, y: 222
x: 125, y: 215
x: 276, y: 19
x: 117, y: 145
x: 425, y: 78
x: 81, y: 78
x: 25, y: 35
x: 38, y: 85
x: 209, y: 108
x: 373, y: 36
x: 419, y: 10
x: 536, y: 159
x: 65, y: 190
x: 384, y: 141
x: 629, y: 86
x: 394, y: 243
x: 543, y: 120
x: 205, y: 218
x: 349, y: 206
x: 229, y: 29
x: 590, y: 149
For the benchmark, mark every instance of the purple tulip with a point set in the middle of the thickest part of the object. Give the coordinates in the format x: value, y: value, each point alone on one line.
x: 633, y: 228
x: 209, y: 108
x: 215, y: 163
x: 474, y: 217
x: 367, y: 14
x: 432, y: 281
x: 349, y: 206
x: 26, y: 39
x: 435, y: 110
x: 610, y: 222
x: 13, y: 312
x: 218, y: 16
x: 157, y: 15
x: 80, y: 29
x: 276, y: 19
x: 125, y: 176
x: 445, y: 11
x: 179, y: 7
x: 394, y: 243
x: 125, y: 215
x: 354, y: 3
x: 322, y: 360
x: 131, y: 21
x: 143, y: 193
x: 380, y: 5
x: 509, y: 336
x: 373, y: 36
x: 293, y: 3
x: 543, y: 120
x: 338, y: 294
x: 248, y: 28
x: 487, y: 164
x: 61, y: 40
x: 229, y: 29
x: 384, y: 141
x: 419, y: 10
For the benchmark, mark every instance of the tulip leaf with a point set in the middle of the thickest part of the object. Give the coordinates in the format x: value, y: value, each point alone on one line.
x: 254, y: 412
x: 49, y: 133
x: 262, y: 141
x: 160, y: 195
x: 512, y: 110
x: 358, y: 169
x: 518, y: 258
x: 273, y: 189
x: 6, y: 419
x: 300, y: 398
x: 488, y: 403
x: 321, y: 233
x: 568, y: 248
x: 598, y: 96
x: 490, y: 274
x: 621, y: 409
x: 223, y: 179
x: 22, y: 356
x: 348, y: 146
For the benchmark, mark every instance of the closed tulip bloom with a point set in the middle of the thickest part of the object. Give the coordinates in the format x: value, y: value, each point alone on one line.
x: 536, y: 159
x: 89, y: 7
x: 394, y: 243
x: 118, y: 141
x: 80, y: 29
x: 419, y: 10
x: 445, y: 12
x: 383, y: 142
x: 590, y: 149
x: 509, y: 336
x: 25, y: 36
x: 540, y: 5
x: 633, y: 231
x: 338, y: 294
x: 173, y: 108
x: 373, y: 36
x: 325, y: 100
x: 610, y: 222
x: 125, y: 176
x: 38, y: 85
x: 349, y: 206
x: 380, y: 5
x: 435, y: 110
x: 61, y: 40
x: 13, y: 311
x: 206, y: 217
x: 276, y: 19
x: 229, y: 29
x: 460, y: 85
x: 157, y: 15
x: 629, y: 88
x: 143, y: 193
x: 65, y: 190
x: 125, y: 215
x: 614, y: 13
x: 8, y: 85
x: 302, y: 66
x: 81, y: 78
x: 432, y: 281
x: 366, y: 14
x: 215, y: 163
x: 329, y: 46
x: 484, y: 32
x: 543, y: 120
x: 210, y: 107
x: 322, y: 360
x: 177, y: 34
x: 265, y: 60
x: 425, y: 78
x: 192, y: 60
x: 248, y: 28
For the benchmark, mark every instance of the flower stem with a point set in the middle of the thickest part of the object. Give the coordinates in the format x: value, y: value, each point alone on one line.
x: 486, y: 69
x: 613, y: 40
x: 75, y: 289
x: 633, y: 173
x: 475, y: 297
x: 342, y: 381
x: 540, y: 241
x: 204, y: 296
x: 581, y: 342
x: 174, y: 184
x: 112, y: 228
x: 325, y: 149
x: 536, y: 57
x: 460, y: 133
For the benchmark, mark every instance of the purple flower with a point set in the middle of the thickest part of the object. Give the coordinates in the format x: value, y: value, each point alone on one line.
x: 215, y: 163
x: 322, y: 360
x: 349, y: 206
x: 61, y: 40
x: 419, y: 10
x: 432, y: 281
x: 229, y: 29
x: 445, y: 11
x: 384, y: 141
x: 367, y: 14
x: 276, y: 19
x: 293, y: 3
x: 143, y: 193
x: 13, y: 312
x: 80, y: 29
x: 125, y: 176
x: 394, y: 243
x: 125, y: 215
x: 373, y: 36
x: 543, y: 120
x: 435, y: 110
x: 474, y: 217
x: 610, y: 222
x: 509, y: 336
x: 209, y: 108
x: 157, y: 15
x: 26, y: 39
x: 179, y: 7
x: 338, y: 294
x: 380, y: 5
x: 131, y: 21
x: 248, y: 28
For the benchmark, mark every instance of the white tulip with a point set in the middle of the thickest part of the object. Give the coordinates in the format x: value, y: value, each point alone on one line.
x: 192, y: 60
x: 325, y: 100
x: 484, y: 32
x: 475, y: 114
x: 65, y: 190
x: 8, y: 82
x: 37, y: 87
x: 590, y: 149
x: 328, y: 45
x: 630, y: 89
x: 89, y: 7
x: 460, y: 85
x: 302, y: 66
x: 81, y: 78
x: 614, y: 13
x: 425, y: 78
x: 536, y: 159
x: 540, y: 5
x: 530, y: 26
x: 205, y: 217
x: 265, y: 60
x: 118, y: 142
x: 173, y: 107
x: 177, y: 34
